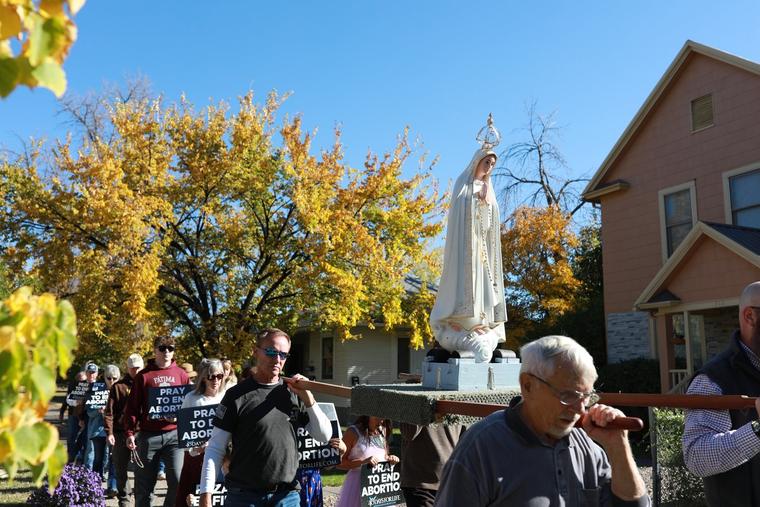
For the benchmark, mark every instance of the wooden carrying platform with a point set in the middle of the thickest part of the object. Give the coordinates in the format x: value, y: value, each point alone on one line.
x: 412, y: 403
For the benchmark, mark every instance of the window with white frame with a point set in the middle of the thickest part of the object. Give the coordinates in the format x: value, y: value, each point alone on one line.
x: 678, y: 215
x: 744, y: 198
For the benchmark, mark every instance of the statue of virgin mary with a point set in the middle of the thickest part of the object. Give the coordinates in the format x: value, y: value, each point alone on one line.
x: 469, y: 312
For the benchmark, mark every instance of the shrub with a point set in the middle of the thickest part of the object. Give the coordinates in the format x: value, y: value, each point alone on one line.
x: 78, y: 487
x: 632, y: 376
x: 677, y: 485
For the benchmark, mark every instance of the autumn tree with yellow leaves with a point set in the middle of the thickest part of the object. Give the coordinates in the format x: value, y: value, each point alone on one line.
x: 536, y: 248
x: 35, y: 37
x: 37, y: 338
x: 553, y: 266
x: 212, y: 224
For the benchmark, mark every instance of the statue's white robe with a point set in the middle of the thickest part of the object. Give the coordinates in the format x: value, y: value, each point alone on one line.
x: 471, y: 290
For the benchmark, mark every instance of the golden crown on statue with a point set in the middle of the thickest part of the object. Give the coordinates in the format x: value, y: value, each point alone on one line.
x: 488, y: 136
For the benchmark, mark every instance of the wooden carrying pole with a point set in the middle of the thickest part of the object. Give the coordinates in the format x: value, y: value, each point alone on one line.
x: 709, y: 402
x: 322, y: 387
x: 485, y: 409
x: 704, y: 401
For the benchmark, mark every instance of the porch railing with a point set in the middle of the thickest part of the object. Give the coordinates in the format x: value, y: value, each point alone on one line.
x: 677, y: 377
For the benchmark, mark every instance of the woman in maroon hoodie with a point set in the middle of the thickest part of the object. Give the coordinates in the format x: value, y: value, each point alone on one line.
x: 157, y: 438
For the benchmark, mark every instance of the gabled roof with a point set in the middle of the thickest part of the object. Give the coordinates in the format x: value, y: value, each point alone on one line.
x: 688, y: 48
x: 748, y: 237
x: 743, y: 241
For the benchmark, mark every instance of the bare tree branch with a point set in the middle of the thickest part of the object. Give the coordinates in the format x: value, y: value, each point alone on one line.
x: 533, y: 170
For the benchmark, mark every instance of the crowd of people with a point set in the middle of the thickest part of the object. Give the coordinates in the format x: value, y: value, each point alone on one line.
x: 253, y: 448
x: 108, y: 439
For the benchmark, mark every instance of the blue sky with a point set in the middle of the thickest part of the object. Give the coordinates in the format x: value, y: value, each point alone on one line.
x: 374, y: 67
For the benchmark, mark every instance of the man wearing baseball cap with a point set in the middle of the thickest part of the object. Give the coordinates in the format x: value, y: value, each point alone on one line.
x: 91, y: 375
x: 114, y: 423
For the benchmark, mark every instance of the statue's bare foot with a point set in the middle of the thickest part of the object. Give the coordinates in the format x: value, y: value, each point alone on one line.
x: 479, y: 345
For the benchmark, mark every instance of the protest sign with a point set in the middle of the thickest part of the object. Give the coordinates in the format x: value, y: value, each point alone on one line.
x: 381, y: 486
x: 218, y: 496
x: 165, y: 402
x: 313, y: 454
x: 96, y: 396
x: 80, y: 390
x: 194, y: 425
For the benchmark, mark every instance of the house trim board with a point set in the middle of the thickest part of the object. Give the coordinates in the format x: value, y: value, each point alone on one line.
x: 696, y: 233
x: 607, y: 189
x: 695, y: 306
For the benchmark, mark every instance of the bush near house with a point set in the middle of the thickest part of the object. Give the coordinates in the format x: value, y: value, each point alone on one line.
x: 632, y: 376
x: 677, y: 486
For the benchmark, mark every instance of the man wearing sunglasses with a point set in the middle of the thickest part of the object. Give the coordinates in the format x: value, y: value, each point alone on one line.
x: 157, y: 438
x: 532, y: 453
x: 723, y: 446
x: 259, y: 416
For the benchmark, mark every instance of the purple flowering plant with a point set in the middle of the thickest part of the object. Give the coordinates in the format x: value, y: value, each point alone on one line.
x: 78, y: 487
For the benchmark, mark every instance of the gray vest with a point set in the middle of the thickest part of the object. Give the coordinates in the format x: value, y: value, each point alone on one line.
x: 734, y: 373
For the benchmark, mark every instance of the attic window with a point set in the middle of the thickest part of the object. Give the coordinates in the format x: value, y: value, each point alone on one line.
x: 701, y: 112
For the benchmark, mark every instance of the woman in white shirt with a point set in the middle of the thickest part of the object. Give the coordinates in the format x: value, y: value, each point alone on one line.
x: 209, y: 390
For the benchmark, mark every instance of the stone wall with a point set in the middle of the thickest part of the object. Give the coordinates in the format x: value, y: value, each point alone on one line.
x: 720, y: 324
x: 627, y: 336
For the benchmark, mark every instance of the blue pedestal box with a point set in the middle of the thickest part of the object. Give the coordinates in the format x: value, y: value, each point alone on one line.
x: 464, y: 374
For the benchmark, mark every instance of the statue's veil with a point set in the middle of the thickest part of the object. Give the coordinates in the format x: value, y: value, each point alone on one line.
x: 455, y: 298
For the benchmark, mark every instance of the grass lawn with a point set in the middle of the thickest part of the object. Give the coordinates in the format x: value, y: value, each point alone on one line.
x: 19, y: 491
x: 333, y: 477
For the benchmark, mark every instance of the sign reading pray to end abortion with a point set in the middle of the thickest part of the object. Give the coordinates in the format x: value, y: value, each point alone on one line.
x: 313, y: 454
x: 381, y: 486
x: 80, y: 390
x: 97, y: 396
x: 194, y: 425
x: 165, y: 402
x: 218, y: 496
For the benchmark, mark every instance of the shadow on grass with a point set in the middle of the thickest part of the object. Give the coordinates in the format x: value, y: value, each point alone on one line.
x: 17, y: 492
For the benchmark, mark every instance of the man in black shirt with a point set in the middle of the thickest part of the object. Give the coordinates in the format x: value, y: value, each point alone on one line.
x: 259, y: 417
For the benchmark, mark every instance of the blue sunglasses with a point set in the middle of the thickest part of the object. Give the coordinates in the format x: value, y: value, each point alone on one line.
x: 270, y: 352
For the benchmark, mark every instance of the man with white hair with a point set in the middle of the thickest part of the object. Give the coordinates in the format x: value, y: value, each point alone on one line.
x: 532, y: 453
x: 723, y: 446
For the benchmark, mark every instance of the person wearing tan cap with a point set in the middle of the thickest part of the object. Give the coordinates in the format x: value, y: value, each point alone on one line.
x: 190, y: 371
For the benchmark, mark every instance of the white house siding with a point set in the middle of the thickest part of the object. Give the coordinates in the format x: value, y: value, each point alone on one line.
x: 373, y: 358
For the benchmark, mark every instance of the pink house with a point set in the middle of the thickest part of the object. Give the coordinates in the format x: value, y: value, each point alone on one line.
x: 680, y: 200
